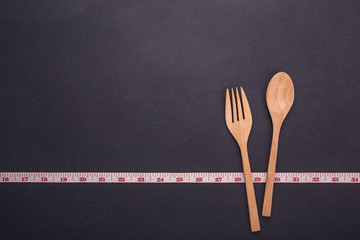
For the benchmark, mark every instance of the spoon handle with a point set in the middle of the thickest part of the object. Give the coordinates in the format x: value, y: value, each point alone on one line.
x: 266, y: 212
x: 250, y: 192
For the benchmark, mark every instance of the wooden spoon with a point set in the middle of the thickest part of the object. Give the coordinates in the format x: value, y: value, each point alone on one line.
x: 279, y: 99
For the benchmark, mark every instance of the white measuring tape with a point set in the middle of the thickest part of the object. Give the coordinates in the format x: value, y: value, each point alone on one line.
x: 174, y: 177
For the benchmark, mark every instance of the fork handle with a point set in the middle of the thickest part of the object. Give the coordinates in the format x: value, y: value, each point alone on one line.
x: 250, y: 193
x: 269, y: 188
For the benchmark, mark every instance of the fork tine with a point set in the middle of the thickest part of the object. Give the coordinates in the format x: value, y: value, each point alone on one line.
x: 239, y: 108
x: 246, y: 107
x: 228, y: 117
x: 234, y: 105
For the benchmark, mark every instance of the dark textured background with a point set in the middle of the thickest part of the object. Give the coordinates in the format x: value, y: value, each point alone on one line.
x: 139, y: 86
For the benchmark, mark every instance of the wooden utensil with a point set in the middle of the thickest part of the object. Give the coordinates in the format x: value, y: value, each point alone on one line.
x: 279, y: 99
x: 239, y: 121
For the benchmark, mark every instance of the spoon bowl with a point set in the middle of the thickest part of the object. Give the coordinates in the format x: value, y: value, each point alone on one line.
x: 280, y: 96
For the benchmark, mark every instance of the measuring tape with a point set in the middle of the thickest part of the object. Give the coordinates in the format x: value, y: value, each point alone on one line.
x: 174, y: 177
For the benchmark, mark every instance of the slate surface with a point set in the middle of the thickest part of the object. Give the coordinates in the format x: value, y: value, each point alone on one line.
x: 139, y: 86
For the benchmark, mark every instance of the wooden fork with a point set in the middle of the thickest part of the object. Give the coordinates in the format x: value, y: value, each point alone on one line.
x: 239, y: 122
